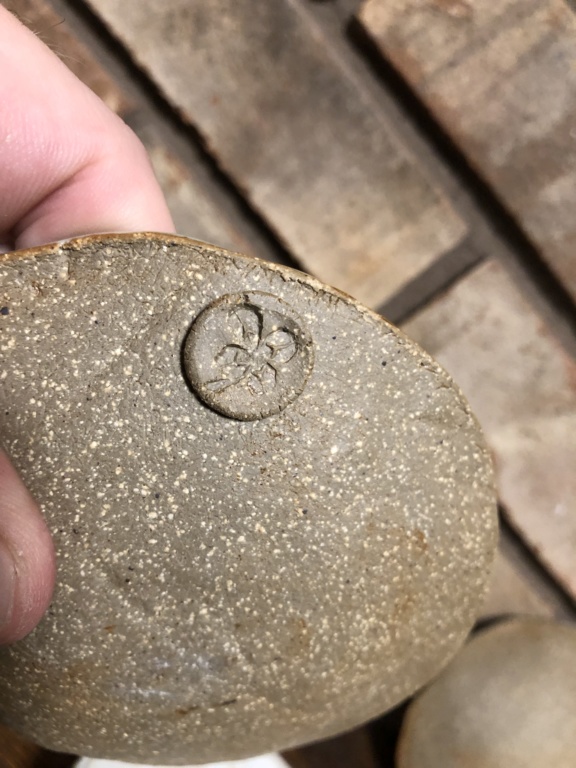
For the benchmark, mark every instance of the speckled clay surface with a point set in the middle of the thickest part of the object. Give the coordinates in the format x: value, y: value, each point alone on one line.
x: 229, y: 584
x: 507, y: 701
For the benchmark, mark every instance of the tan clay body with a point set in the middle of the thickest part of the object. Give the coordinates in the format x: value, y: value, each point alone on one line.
x: 274, y: 514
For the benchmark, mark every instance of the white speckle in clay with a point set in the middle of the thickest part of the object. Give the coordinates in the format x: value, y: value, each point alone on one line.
x: 237, y: 573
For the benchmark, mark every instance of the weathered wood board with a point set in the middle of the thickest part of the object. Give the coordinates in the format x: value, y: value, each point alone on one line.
x: 194, y: 212
x: 501, y: 79
x: 522, y: 386
x: 298, y: 134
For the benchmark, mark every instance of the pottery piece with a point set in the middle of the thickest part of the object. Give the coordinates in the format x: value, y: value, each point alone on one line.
x: 274, y: 514
x: 508, y: 699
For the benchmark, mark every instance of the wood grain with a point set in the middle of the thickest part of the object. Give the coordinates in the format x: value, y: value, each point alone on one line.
x: 298, y: 134
x: 522, y: 386
x: 501, y: 79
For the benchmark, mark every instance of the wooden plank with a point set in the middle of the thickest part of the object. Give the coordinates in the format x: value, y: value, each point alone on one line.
x: 297, y: 132
x: 522, y: 386
x: 195, y: 213
x: 501, y: 78
x: 513, y: 591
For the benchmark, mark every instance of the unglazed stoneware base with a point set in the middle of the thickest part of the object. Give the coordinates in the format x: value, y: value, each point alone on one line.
x: 274, y: 514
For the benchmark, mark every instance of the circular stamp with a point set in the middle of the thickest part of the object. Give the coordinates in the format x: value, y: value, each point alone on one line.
x: 248, y: 355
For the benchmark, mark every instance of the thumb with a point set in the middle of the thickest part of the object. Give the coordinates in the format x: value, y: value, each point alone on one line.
x: 27, y: 566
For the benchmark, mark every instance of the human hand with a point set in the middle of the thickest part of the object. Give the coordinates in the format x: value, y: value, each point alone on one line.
x: 68, y: 166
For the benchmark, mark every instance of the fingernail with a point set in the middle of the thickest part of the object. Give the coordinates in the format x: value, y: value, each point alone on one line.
x: 7, y: 585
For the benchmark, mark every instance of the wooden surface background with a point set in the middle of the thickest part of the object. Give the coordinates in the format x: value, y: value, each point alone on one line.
x: 418, y: 154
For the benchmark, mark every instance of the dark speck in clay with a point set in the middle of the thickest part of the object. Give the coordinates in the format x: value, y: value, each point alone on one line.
x: 265, y: 536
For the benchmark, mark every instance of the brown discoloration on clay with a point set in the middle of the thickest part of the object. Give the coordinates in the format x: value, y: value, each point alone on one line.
x: 420, y: 539
x: 252, y: 610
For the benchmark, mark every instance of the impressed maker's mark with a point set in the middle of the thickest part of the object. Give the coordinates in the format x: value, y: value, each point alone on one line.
x: 248, y: 355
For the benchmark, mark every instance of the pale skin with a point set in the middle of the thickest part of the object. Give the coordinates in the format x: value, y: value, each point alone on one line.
x: 68, y: 166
